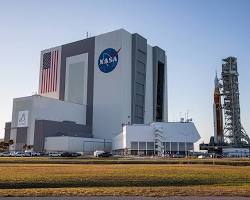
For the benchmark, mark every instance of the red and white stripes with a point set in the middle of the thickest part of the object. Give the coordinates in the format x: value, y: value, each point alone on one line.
x: 49, y: 75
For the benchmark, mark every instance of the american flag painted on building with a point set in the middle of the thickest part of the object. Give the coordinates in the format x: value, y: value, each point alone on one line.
x: 49, y: 73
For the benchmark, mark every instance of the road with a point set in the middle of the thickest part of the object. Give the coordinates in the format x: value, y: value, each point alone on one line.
x: 124, y: 198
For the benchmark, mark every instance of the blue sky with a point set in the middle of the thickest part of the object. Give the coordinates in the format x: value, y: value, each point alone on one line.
x: 196, y: 35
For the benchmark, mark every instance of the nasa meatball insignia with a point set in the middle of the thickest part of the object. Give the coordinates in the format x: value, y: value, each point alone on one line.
x: 108, y: 60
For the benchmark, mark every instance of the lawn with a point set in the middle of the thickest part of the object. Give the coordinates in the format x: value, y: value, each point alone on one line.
x: 124, y: 160
x: 123, y: 179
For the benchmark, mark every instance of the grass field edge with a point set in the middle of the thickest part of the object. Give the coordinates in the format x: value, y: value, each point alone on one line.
x: 230, y: 162
x: 208, y: 190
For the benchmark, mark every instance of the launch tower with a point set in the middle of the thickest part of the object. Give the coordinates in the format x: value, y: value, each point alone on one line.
x: 231, y: 139
x: 234, y: 133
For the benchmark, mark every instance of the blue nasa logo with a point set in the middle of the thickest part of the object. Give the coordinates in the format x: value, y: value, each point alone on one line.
x: 108, y: 60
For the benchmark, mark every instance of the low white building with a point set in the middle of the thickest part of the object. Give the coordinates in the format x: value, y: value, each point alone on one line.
x: 76, y: 144
x: 156, y: 138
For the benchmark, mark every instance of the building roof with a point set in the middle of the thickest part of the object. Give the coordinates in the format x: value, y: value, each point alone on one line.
x: 179, y: 131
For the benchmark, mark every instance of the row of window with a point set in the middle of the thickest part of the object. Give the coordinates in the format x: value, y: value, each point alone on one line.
x: 168, y: 146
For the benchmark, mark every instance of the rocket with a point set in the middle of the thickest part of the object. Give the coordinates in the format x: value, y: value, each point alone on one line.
x: 218, y: 118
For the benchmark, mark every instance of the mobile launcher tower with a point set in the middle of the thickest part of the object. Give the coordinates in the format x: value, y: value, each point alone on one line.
x: 233, y: 134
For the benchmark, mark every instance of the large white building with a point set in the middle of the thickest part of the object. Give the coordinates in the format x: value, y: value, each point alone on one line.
x: 92, y: 88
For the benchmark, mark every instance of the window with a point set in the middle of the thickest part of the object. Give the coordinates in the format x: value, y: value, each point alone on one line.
x: 150, y: 145
x: 160, y: 92
x: 142, y: 145
x: 134, y: 145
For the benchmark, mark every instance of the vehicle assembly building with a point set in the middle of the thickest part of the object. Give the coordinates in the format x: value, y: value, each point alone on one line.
x: 232, y: 137
x: 90, y: 91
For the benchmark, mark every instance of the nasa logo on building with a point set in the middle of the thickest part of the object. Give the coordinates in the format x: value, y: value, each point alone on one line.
x: 108, y: 60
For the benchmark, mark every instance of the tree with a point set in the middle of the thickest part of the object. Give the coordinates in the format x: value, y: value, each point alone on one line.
x: 25, y: 147
x: 30, y: 147
x: 2, y: 143
x: 11, y: 142
x: 4, y: 146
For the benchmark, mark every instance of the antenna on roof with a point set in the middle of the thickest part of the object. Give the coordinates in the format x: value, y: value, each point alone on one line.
x: 87, y: 34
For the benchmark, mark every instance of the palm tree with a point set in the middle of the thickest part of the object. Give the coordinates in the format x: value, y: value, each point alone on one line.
x: 4, y: 145
x: 11, y: 142
x: 25, y: 147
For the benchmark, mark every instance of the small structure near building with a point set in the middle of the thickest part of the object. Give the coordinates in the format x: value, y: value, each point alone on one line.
x: 156, y: 139
x: 77, y: 144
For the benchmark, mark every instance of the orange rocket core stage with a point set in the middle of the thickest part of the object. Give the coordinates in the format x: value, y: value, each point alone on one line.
x: 218, y: 118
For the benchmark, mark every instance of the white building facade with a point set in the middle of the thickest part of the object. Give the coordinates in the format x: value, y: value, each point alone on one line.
x: 92, y: 88
x: 156, y: 138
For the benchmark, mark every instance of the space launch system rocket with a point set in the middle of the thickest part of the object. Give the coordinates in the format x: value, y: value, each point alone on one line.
x: 218, y: 118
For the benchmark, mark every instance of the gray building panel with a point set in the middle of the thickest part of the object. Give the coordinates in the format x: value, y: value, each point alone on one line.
x: 142, y: 145
x: 44, y: 128
x: 182, y: 146
x: 159, y: 67
x: 7, y: 131
x: 139, y: 62
x: 73, y: 49
x: 21, y: 104
x: 167, y: 146
x: 21, y: 138
x: 21, y: 135
x: 174, y: 146
x: 134, y: 145
x: 190, y: 146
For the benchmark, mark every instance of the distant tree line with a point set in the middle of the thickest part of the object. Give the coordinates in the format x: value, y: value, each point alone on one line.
x: 4, y: 145
x: 27, y: 147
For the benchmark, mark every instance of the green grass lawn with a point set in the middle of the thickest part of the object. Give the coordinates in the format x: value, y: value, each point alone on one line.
x: 45, y: 179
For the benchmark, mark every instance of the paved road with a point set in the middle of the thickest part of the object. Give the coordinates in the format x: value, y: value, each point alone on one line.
x: 124, y: 198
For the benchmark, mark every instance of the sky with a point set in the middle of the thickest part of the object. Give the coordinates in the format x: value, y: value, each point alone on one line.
x: 195, y: 34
